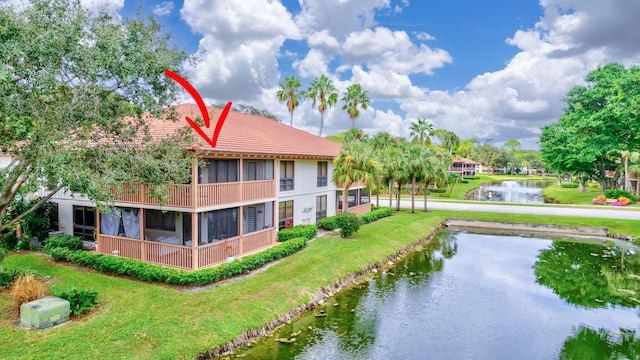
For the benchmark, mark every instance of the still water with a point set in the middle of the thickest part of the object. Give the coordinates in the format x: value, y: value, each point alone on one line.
x: 518, y: 191
x: 474, y: 296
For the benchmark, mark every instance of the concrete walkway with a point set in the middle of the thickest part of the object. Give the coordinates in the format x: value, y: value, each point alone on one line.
x: 543, y: 209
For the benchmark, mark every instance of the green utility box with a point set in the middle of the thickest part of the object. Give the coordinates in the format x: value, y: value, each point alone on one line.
x: 44, y: 313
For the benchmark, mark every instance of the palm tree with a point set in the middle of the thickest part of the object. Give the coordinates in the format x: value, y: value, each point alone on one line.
x: 354, y: 163
x: 381, y: 143
x: 353, y: 98
x: 322, y: 92
x: 421, y: 131
x: 416, y: 157
x: 289, y: 92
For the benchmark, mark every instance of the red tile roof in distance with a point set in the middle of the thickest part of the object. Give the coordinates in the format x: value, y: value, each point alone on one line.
x: 248, y: 135
x: 464, y: 161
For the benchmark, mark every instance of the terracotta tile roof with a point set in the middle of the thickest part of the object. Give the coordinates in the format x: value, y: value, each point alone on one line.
x: 244, y: 134
x: 464, y: 161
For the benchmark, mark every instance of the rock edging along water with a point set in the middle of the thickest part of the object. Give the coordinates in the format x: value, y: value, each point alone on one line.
x: 574, y: 230
x: 251, y: 335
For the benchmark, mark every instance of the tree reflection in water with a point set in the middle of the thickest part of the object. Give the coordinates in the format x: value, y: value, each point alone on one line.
x: 589, y: 275
x: 590, y: 344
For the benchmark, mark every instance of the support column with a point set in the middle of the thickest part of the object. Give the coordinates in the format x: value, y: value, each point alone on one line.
x: 194, y: 183
x: 143, y: 243
x: 97, y: 230
x: 240, y: 223
x: 241, y: 208
x: 274, y: 204
x: 195, y: 240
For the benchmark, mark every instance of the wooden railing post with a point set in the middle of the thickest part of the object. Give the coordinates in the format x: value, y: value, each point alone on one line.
x: 97, y: 230
x: 143, y: 244
x: 194, y: 183
x: 240, y: 222
x: 194, y: 241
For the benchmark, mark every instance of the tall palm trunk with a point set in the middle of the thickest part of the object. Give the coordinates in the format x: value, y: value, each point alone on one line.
x: 345, y: 197
x: 426, y: 191
x: 413, y: 195
x: 321, y: 123
x: 390, y: 193
x: 398, y: 196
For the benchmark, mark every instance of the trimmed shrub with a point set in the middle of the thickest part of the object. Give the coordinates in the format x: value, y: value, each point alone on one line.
x: 80, y: 301
x: 348, y: 223
x: 616, y: 193
x: 306, y: 231
x: 27, y: 288
x: 7, y: 277
x: 156, y: 273
x: 569, y: 186
x: 328, y: 223
x: 66, y: 241
x: 436, y: 191
x: 375, y: 214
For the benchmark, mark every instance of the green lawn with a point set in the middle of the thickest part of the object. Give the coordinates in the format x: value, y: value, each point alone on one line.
x: 143, y: 320
x: 573, y: 196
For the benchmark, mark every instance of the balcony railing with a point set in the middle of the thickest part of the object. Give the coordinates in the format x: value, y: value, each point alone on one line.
x: 181, y: 257
x: 181, y: 196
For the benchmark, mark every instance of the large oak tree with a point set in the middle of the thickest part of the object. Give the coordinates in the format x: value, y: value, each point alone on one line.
x: 68, y: 78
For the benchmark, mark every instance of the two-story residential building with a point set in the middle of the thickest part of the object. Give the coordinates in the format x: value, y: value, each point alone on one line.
x: 464, y: 167
x: 261, y: 176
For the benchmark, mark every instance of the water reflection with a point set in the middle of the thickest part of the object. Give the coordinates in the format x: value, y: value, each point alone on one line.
x: 588, y: 343
x: 519, y: 191
x: 590, y: 275
x: 472, y: 296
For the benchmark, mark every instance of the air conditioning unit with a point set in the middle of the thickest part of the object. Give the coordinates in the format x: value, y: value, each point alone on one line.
x: 55, y: 233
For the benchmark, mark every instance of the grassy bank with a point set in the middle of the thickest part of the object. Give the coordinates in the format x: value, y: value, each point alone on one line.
x: 142, y: 320
x: 562, y: 195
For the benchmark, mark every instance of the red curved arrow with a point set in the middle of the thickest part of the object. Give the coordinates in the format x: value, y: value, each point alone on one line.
x: 203, y: 110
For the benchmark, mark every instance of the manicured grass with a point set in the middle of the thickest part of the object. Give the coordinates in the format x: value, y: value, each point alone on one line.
x: 573, y: 196
x: 142, y: 320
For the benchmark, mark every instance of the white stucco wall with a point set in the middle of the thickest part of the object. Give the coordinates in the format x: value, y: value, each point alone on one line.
x: 306, y: 190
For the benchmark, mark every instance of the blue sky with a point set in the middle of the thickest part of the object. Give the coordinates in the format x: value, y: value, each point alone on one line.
x: 493, y: 69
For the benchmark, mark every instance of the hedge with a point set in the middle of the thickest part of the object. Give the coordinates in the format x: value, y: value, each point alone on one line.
x: 328, y: 223
x: 376, y: 214
x: 65, y: 241
x: 349, y: 223
x: 616, y: 193
x: 569, y: 186
x: 331, y: 223
x: 156, y: 273
x: 306, y: 231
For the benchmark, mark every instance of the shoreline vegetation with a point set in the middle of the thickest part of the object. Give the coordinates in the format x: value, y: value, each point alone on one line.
x: 137, y: 319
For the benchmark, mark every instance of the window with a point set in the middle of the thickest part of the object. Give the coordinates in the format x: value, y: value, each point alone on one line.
x: 218, y: 171
x: 254, y: 170
x: 322, y: 173
x: 286, y: 175
x: 156, y: 219
x: 285, y: 219
x: 84, y: 222
x: 257, y: 217
x: 222, y: 224
x: 365, y: 196
x: 321, y: 207
x: 351, y: 198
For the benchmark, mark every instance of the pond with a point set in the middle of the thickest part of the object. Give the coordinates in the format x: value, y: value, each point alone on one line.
x: 475, y: 296
x: 512, y: 191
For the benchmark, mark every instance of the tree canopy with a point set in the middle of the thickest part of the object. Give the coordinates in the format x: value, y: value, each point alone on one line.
x: 68, y: 80
x: 601, y: 120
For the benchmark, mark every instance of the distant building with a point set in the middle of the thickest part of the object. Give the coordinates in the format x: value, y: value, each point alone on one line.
x: 464, y: 167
